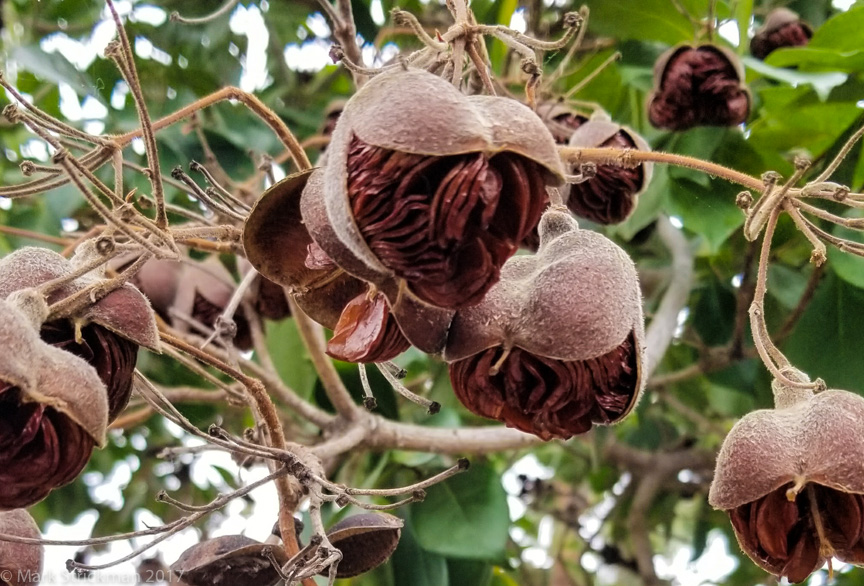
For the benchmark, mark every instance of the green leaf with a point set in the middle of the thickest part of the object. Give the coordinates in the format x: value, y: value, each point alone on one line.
x: 708, y: 211
x: 827, y: 342
x: 414, y: 565
x: 655, y: 20
x: 54, y: 68
x: 465, y: 517
x: 468, y: 573
x: 290, y: 357
x: 822, y: 83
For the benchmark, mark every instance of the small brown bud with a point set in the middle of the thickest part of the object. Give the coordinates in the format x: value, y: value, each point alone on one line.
x: 106, y: 334
x: 698, y: 86
x: 609, y: 197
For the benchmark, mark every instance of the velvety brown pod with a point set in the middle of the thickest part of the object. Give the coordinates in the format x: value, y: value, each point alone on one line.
x: 20, y: 564
x: 53, y: 410
x: 106, y: 334
x: 556, y: 345
x: 610, y: 196
x: 434, y: 188
x: 366, y: 541
x: 698, y: 86
x: 782, y: 28
x: 364, y: 329
x: 231, y: 560
x: 792, y: 481
x: 124, y: 311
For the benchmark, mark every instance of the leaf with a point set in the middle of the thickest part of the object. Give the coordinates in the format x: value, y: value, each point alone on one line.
x: 468, y: 573
x: 827, y: 342
x: 414, y: 565
x: 822, y: 83
x: 54, y: 68
x: 465, y: 517
x: 290, y: 357
x: 708, y: 211
x: 655, y: 20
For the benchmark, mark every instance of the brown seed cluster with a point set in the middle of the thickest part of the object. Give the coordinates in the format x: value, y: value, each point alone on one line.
x: 782, y: 28
x: 698, y: 86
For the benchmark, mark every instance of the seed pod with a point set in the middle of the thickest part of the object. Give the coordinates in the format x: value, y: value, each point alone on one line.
x: 698, y: 86
x: 434, y: 189
x: 53, y: 410
x: 366, y: 541
x: 792, y: 481
x: 20, y: 564
x: 556, y: 345
x: 197, y: 289
x: 782, y: 28
x: 231, y: 560
x: 610, y: 196
x: 364, y: 330
x: 560, y: 120
x: 106, y: 334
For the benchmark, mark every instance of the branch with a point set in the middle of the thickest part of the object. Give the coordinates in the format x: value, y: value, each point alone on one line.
x: 387, y: 435
x: 659, y: 334
x: 631, y: 158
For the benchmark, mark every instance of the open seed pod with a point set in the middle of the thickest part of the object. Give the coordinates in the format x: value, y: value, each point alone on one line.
x: 364, y: 329
x: 698, y: 86
x: 610, y: 196
x: 792, y: 481
x: 432, y: 188
x: 53, y: 410
x: 111, y: 330
x: 20, y: 564
x: 782, y: 28
x: 556, y: 345
x: 366, y: 541
x: 560, y: 120
x: 231, y: 560
x: 197, y: 289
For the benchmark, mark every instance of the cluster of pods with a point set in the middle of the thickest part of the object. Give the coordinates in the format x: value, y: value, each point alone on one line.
x: 409, y: 233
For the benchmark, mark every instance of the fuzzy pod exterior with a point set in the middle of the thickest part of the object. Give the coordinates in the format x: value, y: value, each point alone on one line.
x: 53, y: 411
x: 20, y: 564
x: 698, y: 86
x: 433, y: 188
x: 782, y: 28
x: 521, y: 355
x: 777, y: 467
x: 106, y: 334
x: 610, y: 196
